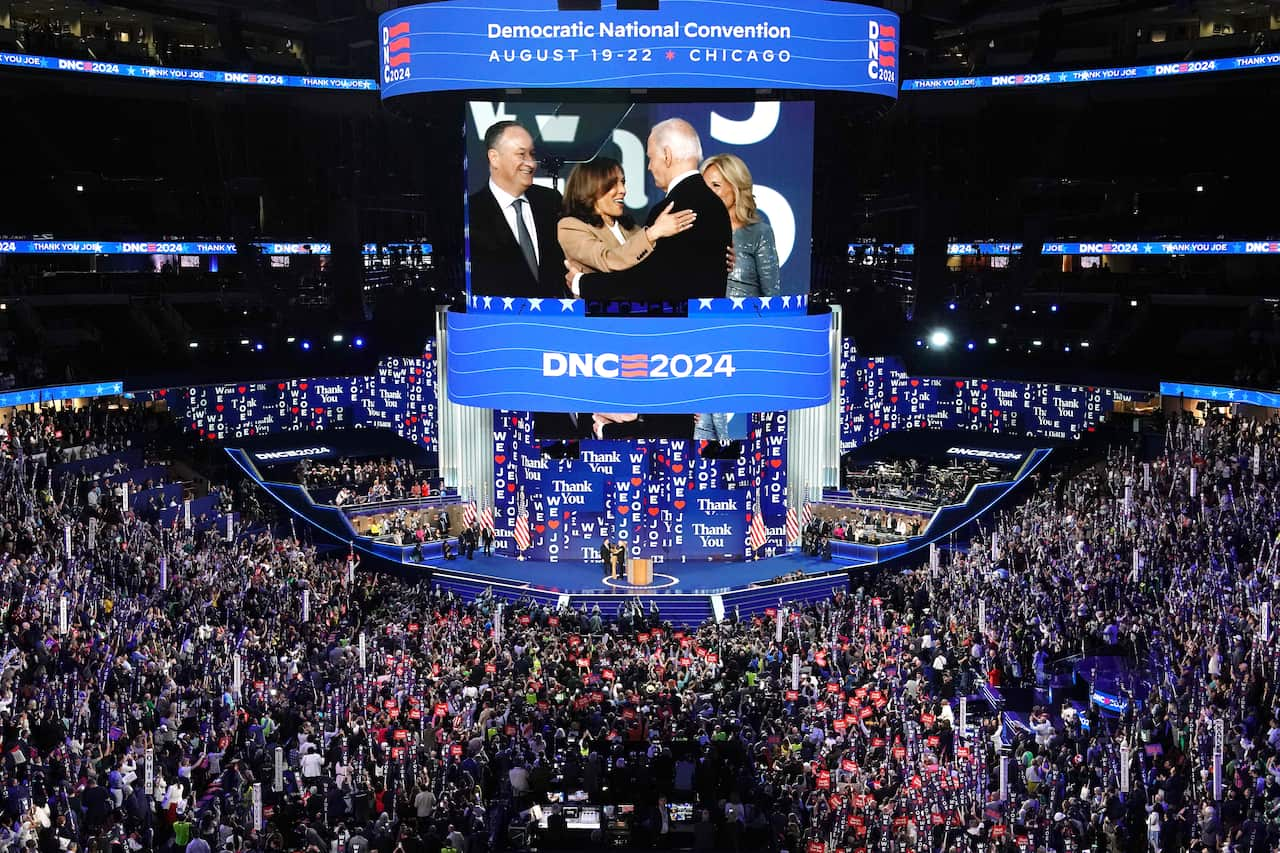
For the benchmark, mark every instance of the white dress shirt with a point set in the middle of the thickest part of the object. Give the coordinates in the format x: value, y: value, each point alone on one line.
x: 506, y: 203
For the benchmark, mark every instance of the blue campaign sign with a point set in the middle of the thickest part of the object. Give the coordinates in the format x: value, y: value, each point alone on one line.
x: 185, y: 75
x: 544, y: 362
x: 463, y: 45
x: 713, y: 524
x: 109, y: 247
x: 1093, y: 75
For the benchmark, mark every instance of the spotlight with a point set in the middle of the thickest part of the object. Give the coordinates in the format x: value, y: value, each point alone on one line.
x: 939, y: 338
x: 1017, y: 308
x: 258, y: 347
x: 290, y: 339
x: 1084, y: 345
x: 1053, y: 308
x: 306, y: 345
x: 244, y: 342
x: 1199, y: 188
x: 969, y: 346
x: 194, y: 345
x: 358, y: 343
x: 1037, y: 343
x: 951, y: 306
x: 919, y: 342
x: 1133, y: 303
x: 79, y: 188
x: 991, y: 341
x: 337, y: 339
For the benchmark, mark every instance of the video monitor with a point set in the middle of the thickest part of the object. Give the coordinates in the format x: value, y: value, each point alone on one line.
x: 680, y: 812
x: 644, y: 199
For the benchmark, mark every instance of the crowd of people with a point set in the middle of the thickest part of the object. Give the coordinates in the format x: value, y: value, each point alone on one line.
x: 363, y: 481
x: 149, y: 713
x: 914, y: 482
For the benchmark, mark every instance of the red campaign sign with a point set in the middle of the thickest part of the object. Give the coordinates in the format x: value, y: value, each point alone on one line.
x: 400, y: 734
x: 856, y: 820
x: 606, y: 674
x: 999, y: 830
x: 413, y: 627
x: 848, y: 765
x: 866, y: 712
x: 394, y: 713
x: 876, y: 602
x: 581, y: 703
x: 475, y: 642
x: 700, y: 652
x: 877, y: 742
x: 597, y: 695
x: 415, y: 714
x: 963, y: 752
x: 574, y: 639
x: 397, y: 752
x: 833, y: 687
x: 933, y: 741
x: 466, y: 621
x: 899, y: 752
x: 771, y: 612
x: 388, y: 703
x: 524, y: 620
x: 927, y: 719
x: 553, y: 621
x: 816, y: 847
x: 713, y: 658
x: 686, y: 661
x: 642, y: 637
x: 850, y: 719
x: 917, y: 782
x: 819, y: 706
x: 876, y: 695
x: 824, y: 780
x: 881, y: 702
x: 628, y: 713
x: 792, y: 695
x: 861, y: 693
x: 656, y: 632
x: 839, y: 724
x: 543, y: 705
x: 834, y: 801
x: 490, y: 668
x: 440, y: 709
x: 900, y: 821
x: 853, y: 702
x: 258, y: 685
x: 684, y: 642
x: 456, y: 750
x: 414, y: 701
x: 584, y: 662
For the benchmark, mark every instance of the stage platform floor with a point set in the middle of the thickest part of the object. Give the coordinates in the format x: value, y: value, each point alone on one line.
x: 686, y: 578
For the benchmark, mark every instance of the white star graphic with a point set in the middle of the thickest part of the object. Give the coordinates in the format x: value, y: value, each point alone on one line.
x: 737, y: 302
x: 786, y: 302
x: 766, y: 302
x: 704, y: 304
x: 488, y: 302
x: 507, y: 302
x: 535, y: 304
x: 567, y: 305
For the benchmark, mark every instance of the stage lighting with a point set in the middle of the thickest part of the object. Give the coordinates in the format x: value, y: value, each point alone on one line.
x: 991, y: 342
x: 79, y: 188
x: 258, y: 347
x: 1053, y: 308
x: 358, y: 343
x: 244, y: 342
x: 337, y: 339
x: 290, y: 339
x: 969, y: 346
x: 194, y: 345
x: 1133, y: 303
x: 951, y: 305
x: 306, y: 345
x: 1084, y: 344
x: 939, y: 338
x: 1037, y: 343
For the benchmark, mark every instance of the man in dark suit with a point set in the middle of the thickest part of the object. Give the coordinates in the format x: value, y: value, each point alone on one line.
x: 688, y: 265
x: 512, y: 222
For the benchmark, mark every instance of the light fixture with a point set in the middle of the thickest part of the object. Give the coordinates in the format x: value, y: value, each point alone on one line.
x: 1133, y: 303
x: 337, y: 339
x: 358, y: 343
x: 306, y: 345
x: 290, y: 339
x: 1017, y: 308
x: 244, y: 342
x: 1084, y: 344
x: 951, y: 305
x: 1053, y: 308
x: 969, y: 346
x: 79, y: 188
x: 1037, y: 343
x: 1067, y: 348
x: 258, y: 346
x: 1199, y: 188
x: 194, y: 345
x: 939, y: 338
x: 991, y: 341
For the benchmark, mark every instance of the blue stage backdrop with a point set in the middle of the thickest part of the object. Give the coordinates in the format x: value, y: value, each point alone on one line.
x: 878, y: 395
x: 659, y: 497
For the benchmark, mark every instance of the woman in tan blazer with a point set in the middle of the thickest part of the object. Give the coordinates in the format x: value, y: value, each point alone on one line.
x: 595, y: 231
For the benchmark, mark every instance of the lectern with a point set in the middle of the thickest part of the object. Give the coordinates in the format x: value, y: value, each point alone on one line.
x: 640, y: 572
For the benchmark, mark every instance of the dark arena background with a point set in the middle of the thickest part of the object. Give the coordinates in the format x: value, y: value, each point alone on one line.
x: 464, y: 427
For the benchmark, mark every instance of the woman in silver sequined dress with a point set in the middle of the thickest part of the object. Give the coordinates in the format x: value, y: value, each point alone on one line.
x: 756, y: 268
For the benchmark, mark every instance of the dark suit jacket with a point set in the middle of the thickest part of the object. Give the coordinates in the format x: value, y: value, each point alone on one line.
x: 497, y: 266
x: 690, y: 265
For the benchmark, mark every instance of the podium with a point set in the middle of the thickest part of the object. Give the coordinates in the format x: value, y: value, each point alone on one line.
x: 640, y: 572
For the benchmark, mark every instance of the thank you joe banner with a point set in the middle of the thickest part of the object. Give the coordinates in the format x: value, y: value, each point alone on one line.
x: 461, y: 45
x: 653, y: 365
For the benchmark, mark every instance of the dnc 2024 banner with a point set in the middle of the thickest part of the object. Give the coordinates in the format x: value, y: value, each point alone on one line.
x: 806, y: 45
x: 742, y: 363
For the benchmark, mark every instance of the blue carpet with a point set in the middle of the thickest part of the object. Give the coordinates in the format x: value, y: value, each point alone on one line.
x: 577, y: 578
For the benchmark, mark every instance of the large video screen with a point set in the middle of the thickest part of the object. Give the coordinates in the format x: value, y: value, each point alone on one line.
x: 643, y: 200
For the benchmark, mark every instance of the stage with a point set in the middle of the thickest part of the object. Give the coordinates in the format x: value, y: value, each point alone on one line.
x: 702, y: 578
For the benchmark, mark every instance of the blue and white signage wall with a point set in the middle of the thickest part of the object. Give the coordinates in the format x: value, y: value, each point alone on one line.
x: 659, y: 497
x: 461, y: 45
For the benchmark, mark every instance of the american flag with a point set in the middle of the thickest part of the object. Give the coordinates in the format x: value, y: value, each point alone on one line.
x: 469, y: 513
x: 793, y: 526
x: 486, y: 518
x: 806, y: 514
x: 758, y: 534
x: 521, y: 533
